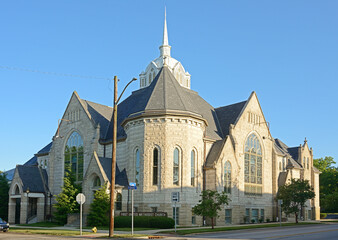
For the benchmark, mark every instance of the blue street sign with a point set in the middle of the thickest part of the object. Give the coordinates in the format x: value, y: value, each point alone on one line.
x: 132, y: 184
x: 132, y: 187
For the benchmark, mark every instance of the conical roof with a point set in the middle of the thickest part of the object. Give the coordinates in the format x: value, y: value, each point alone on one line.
x: 166, y: 96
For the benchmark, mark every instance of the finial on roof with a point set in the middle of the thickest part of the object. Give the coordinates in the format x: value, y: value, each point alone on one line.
x: 165, y: 48
x: 305, y: 141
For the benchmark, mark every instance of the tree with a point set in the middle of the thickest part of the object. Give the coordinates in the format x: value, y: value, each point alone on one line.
x: 328, y: 182
x: 324, y: 164
x: 99, y: 208
x: 294, y: 196
x: 4, y: 188
x: 210, y: 204
x: 66, y: 200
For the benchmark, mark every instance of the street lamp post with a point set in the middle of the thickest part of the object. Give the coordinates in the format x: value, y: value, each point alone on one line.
x: 27, y: 192
x: 112, y: 182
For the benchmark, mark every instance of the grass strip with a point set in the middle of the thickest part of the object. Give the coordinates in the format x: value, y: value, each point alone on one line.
x: 55, y: 232
x: 224, y: 229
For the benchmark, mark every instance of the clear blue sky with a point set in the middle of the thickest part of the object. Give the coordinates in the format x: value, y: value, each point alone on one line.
x: 286, y: 51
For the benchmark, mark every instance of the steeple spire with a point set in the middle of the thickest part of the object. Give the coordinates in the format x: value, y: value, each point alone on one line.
x: 165, y: 48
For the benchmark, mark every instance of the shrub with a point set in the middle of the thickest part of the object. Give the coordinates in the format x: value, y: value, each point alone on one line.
x: 268, y: 220
x: 99, y: 208
x: 261, y: 220
x: 144, y: 221
x: 252, y: 220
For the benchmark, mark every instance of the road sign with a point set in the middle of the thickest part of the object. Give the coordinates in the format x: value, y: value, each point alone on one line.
x: 175, y: 196
x: 80, y: 198
x: 132, y: 184
x: 132, y: 187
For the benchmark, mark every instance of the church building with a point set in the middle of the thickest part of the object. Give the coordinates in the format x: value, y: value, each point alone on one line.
x: 171, y: 142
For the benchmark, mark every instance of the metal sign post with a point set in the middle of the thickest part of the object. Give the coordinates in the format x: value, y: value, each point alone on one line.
x: 175, y: 197
x: 80, y: 198
x: 132, y: 186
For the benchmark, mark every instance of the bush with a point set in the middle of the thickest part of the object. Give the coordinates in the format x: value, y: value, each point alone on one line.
x: 252, y: 220
x: 144, y: 221
x: 99, y: 208
x: 268, y: 220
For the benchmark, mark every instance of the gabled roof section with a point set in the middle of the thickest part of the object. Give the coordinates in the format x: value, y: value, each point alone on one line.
x: 100, y: 114
x: 33, y: 178
x: 228, y: 115
x: 294, y: 152
x: 32, y: 162
x: 120, y: 177
x: 166, y: 95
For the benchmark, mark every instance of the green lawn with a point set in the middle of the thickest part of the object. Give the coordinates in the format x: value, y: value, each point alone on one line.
x: 46, y: 231
x: 223, y: 229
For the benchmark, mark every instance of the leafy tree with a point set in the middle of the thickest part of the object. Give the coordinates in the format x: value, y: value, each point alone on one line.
x: 324, y: 164
x: 210, y: 204
x: 66, y: 200
x: 99, y: 208
x: 294, y: 196
x: 4, y: 188
x: 328, y: 181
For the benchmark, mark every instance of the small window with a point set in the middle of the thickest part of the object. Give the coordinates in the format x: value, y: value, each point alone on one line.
x: 228, y: 216
x: 176, y: 167
x: 135, y: 209
x: 155, y: 166
x: 154, y: 209
x: 193, y: 218
x: 97, y: 182
x: 137, y: 167
x: 192, y: 168
x: 254, y: 215
x: 307, y: 163
x: 247, y: 215
x: 118, y: 202
x: 280, y: 166
x: 227, y: 177
x: 262, y: 215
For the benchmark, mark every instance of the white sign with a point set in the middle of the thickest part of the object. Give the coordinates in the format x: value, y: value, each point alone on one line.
x: 175, y: 196
x: 80, y: 198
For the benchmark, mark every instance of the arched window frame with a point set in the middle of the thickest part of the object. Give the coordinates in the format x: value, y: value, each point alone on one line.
x: 74, y: 155
x: 227, y: 177
x: 193, y: 167
x: 96, y: 182
x: 307, y: 163
x: 253, y: 166
x: 176, y: 166
x: 137, y: 166
x: 155, y: 165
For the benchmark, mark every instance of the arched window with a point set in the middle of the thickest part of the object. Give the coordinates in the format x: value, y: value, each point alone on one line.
x: 118, y: 202
x: 17, y: 190
x: 176, y: 167
x: 227, y: 177
x: 96, y: 182
x: 253, y: 166
x: 137, y: 167
x: 304, y: 163
x: 74, y: 156
x: 155, y: 166
x: 153, y: 75
x: 307, y: 163
x: 192, y: 168
x: 283, y: 163
x: 280, y: 166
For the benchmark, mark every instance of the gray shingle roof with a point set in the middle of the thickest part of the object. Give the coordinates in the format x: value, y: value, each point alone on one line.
x: 294, y: 151
x: 46, y: 149
x: 228, y: 114
x: 33, y: 178
x: 166, y: 94
x: 32, y: 162
x: 10, y: 174
x: 120, y: 177
x: 100, y: 114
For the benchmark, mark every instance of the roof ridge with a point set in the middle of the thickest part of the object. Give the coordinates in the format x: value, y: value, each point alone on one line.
x: 231, y: 104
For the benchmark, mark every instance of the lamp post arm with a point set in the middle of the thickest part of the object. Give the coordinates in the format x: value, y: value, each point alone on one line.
x: 134, y: 79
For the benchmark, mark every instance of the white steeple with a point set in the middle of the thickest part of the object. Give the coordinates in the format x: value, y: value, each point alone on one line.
x: 147, y: 76
x: 165, y: 48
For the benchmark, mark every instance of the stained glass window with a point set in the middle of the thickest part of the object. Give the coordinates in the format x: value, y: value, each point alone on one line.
x: 155, y: 166
x: 253, y: 170
x: 176, y: 167
x: 227, y: 177
x: 74, y: 156
x: 192, y: 168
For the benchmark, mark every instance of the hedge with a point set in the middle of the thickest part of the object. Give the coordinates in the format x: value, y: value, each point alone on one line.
x: 144, y: 221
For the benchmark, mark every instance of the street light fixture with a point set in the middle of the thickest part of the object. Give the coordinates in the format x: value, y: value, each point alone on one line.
x: 112, y: 182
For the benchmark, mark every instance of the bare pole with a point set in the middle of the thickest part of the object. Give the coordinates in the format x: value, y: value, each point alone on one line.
x: 113, y: 164
x: 112, y: 182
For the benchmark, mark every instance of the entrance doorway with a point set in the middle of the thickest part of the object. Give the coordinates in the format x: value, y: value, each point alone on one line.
x: 17, y: 210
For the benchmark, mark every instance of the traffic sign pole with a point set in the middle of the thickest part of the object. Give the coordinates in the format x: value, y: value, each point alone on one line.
x: 80, y: 198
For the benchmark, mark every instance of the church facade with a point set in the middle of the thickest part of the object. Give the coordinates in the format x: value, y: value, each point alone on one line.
x: 170, y: 141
